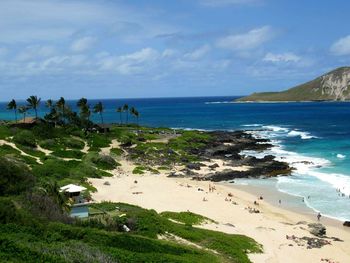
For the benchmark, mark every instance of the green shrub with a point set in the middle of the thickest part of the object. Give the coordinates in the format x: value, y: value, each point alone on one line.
x: 117, y: 151
x: 187, y: 218
x: 25, y: 138
x: 73, y: 154
x: 4, y: 132
x: 105, y: 162
x: 15, y: 177
x: 74, y: 143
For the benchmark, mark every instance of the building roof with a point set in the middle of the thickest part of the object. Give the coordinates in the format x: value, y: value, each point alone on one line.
x: 30, y: 120
x: 72, y: 188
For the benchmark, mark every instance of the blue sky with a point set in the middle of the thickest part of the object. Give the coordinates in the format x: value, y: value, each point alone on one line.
x: 167, y: 48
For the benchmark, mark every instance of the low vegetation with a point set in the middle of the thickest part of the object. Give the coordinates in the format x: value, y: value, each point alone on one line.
x: 36, y: 160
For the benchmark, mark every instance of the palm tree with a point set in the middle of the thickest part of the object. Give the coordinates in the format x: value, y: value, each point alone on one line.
x: 49, y: 103
x: 82, y: 102
x: 126, y: 109
x: 23, y: 110
x: 120, y: 110
x: 98, y: 108
x: 13, y: 106
x: 137, y: 115
x: 61, y: 104
x: 84, y: 108
x: 33, y: 103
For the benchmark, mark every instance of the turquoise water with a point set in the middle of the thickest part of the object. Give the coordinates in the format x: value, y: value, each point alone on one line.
x: 318, y: 133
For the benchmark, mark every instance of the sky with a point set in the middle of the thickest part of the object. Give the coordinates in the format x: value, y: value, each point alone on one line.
x: 167, y: 48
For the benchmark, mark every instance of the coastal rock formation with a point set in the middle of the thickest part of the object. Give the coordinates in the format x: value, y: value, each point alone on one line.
x: 317, y: 229
x: 346, y: 223
x: 332, y: 86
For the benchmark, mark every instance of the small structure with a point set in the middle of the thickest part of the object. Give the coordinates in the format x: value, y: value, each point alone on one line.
x: 28, y: 122
x: 79, y: 204
x: 102, y: 128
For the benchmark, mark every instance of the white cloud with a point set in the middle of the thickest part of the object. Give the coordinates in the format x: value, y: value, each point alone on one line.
x: 130, y: 63
x: 198, y: 53
x: 83, y: 44
x: 341, y: 47
x: 35, y: 52
x: 247, y: 41
x: 220, y: 3
x: 37, y: 20
x: 283, y: 57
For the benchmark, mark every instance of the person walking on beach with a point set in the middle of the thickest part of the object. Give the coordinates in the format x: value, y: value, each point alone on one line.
x: 318, y: 216
x: 279, y: 201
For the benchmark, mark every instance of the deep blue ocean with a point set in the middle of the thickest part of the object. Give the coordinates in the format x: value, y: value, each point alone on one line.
x: 314, y: 137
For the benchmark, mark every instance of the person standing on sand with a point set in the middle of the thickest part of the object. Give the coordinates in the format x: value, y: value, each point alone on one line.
x: 279, y: 201
x: 319, y: 216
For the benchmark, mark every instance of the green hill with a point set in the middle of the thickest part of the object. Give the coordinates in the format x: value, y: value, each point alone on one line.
x: 332, y: 86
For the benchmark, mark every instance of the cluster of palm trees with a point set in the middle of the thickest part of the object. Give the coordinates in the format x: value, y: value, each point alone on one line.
x: 33, y: 102
x: 60, y: 112
x: 125, y: 109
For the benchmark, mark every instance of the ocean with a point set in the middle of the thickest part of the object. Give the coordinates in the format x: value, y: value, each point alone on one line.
x: 314, y: 137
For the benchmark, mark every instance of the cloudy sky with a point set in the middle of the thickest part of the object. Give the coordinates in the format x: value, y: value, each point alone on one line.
x: 145, y: 48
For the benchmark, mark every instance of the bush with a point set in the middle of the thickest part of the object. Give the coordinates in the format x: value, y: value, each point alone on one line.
x: 73, y: 154
x: 15, y: 177
x: 25, y: 138
x: 105, y: 162
x: 73, y: 143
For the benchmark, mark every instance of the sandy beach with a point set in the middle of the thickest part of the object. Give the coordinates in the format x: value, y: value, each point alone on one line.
x: 228, y: 206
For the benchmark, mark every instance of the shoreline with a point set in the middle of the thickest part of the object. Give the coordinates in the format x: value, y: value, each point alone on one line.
x: 269, y: 227
x: 290, y: 202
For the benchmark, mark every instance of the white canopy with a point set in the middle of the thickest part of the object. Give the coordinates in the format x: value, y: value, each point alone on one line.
x: 72, y: 188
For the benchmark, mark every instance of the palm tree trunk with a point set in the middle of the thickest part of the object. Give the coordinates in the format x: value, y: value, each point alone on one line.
x: 16, y: 115
x: 127, y: 117
x: 101, y: 117
x: 36, y: 113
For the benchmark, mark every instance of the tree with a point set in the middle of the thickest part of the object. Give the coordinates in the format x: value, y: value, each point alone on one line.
x: 61, y: 104
x: 120, y: 110
x: 23, y: 110
x: 33, y: 103
x: 98, y: 108
x: 84, y: 108
x: 49, y: 103
x: 82, y: 102
x: 126, y: 109
x: 13, y: 106
x: 135, y: 113
x: 53, y: 116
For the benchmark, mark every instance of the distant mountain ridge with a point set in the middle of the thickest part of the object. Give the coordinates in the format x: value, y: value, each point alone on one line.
x: 332, y: 86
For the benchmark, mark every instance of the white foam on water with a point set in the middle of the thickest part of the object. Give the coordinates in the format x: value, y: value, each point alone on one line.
x: 341, y: 156
x: 275, y: 128
x: 251, y: 125
x: 305, y: 167
x: 303, y: 135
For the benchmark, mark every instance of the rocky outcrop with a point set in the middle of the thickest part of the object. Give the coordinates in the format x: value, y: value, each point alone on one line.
x: 346, y: 223
x: 317, y: 229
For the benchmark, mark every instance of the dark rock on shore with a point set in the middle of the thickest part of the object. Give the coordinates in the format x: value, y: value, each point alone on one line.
x: 346, y: 223
x: 317, y: 229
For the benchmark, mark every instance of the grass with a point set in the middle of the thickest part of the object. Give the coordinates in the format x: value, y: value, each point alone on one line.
x: 73, y: 154
x: 142, y: 169
x: 148, y: 223
x: 187, y: 218
x: 26, y: 237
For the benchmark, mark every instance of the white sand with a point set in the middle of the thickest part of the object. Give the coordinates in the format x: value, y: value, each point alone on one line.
x: 269, y: 228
